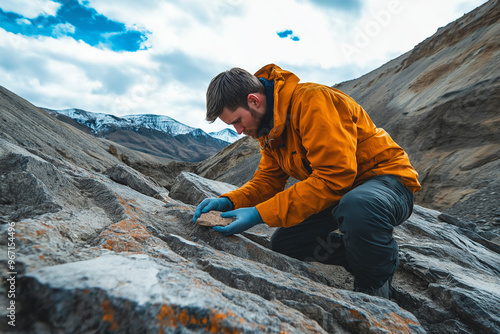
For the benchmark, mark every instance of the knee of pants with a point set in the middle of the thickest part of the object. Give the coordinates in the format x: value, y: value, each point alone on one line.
x: 276, y: 243
x: 361, y: 216
x: 282, y: 245
x: 273, y: 243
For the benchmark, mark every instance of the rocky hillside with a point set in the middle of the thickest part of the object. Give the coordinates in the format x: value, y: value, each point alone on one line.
x: 91, y: 245
x: 440, y: 102
x: 113, y: 252
x: 28, y: 126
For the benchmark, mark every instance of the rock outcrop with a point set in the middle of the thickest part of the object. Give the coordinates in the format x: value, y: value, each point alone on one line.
x: 235, y: 164
x: 96, y: 255
x: 192, y: 189
x: 137, y: 181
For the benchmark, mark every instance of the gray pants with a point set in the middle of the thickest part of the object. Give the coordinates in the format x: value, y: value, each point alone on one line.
x: 365, y: 217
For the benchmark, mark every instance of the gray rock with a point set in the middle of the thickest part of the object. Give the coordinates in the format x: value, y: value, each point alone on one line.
x: 114, y: 258
x: 25, y: 180
x: 192, y: 189
x: 304, y: 290
x: 451, y: 274
x: 106, y: 257
x: 137, y: 181
x: 138, y: 294
x: 235, y: 164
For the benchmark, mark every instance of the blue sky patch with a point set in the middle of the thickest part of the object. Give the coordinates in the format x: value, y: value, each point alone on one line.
x: 345, y: 5
x: 288, y: 34
x: 79, y: 22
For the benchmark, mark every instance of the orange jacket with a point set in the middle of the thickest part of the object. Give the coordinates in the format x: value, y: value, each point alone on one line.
x: 324, y: 138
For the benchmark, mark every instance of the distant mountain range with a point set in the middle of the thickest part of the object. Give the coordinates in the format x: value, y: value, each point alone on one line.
x: 154, y: 134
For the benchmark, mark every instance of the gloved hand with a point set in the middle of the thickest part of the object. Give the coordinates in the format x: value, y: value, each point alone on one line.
x: 245, y: 219
x: 209, y: 204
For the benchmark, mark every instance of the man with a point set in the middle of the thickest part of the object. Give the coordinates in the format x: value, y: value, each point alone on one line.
x: 354, y: 177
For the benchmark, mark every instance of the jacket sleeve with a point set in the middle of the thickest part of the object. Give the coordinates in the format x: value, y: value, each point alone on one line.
x: 268, y: 180
x: 326, y: 123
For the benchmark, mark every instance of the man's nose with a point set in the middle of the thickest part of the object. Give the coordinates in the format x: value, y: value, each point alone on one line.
x: 239, y: 129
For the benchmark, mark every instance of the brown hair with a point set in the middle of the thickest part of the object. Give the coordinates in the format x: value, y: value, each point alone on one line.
x: 230, y: 89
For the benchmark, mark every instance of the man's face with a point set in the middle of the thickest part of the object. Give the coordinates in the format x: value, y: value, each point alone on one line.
x: 244, y: 121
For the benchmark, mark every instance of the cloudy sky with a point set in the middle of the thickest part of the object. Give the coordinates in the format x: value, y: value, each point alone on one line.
x: 158, y: 56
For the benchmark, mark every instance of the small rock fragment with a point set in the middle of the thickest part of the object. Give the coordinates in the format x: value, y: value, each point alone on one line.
x: 213, y: 218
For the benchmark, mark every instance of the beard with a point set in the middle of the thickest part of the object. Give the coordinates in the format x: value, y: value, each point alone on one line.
x: 255, y: 133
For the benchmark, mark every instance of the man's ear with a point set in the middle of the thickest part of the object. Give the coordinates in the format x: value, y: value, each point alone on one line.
x: 253, y: 99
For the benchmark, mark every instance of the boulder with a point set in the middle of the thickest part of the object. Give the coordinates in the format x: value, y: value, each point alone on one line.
x: 192, y: 189
x: 136, y: 294
x: 128, y: 176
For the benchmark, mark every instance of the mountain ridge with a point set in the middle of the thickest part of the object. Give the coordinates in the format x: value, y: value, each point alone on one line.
x: 154, y: 134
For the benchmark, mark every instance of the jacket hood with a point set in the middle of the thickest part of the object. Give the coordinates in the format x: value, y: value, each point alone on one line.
x: 284, y: 86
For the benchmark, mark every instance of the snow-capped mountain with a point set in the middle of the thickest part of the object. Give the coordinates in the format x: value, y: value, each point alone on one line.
x: 227, y: 135
x: 155, y: 134
x: 101, y: 122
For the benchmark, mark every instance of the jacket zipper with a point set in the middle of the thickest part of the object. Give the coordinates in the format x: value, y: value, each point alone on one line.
x: 267, y: 143
x: 279, y: 152
x: 282, y: 160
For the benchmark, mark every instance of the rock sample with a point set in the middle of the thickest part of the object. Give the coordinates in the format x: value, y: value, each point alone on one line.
x: 213, y: 218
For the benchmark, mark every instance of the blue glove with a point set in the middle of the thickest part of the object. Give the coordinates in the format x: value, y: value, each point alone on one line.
x: 245, y: 219
x: 209, y: 204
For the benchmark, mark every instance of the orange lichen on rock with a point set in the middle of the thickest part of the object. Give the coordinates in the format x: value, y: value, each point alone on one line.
x: 173, y: 318
x: 108, y: 314
x: 131, y: 208
x: 392, y: 322
x: 355, y: 314
x: 125, y: 236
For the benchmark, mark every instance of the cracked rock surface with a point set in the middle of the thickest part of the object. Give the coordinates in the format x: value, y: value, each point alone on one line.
x: 107, y: 257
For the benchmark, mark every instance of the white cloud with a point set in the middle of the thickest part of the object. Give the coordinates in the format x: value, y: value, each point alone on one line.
x: 23, y: 21
x: 386, y: 28
x: 64, y: 29
x: 30, y: 8
x: 193, y: 40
